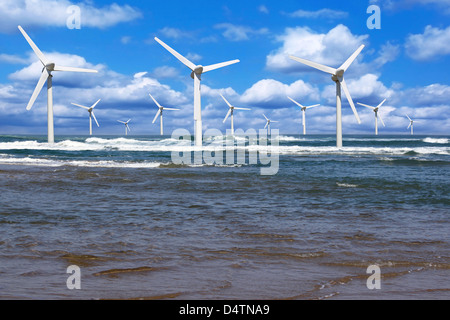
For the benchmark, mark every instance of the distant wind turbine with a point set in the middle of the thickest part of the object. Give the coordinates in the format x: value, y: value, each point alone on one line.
x: 197, y: 71
x: 127, y: 128
x: 230, y: 113
x: 160, y: 113
x: 375, y: 110
x: 91, y: 114
x: 303, y: 113
x: 411, y: 124
x: 268, y: 122
x: 338, y: 77
x: 46, y: 75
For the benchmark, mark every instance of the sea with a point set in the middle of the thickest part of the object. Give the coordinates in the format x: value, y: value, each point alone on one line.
x: 289, y: 218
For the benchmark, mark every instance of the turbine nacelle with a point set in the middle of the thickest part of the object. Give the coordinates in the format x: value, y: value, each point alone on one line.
x: 198, y: 71
x: 50, y: 66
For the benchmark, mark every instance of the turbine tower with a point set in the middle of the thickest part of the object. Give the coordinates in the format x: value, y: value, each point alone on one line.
x: 46, y: 75
x: 375, y: 110
x: 127, y: 128
x: 303, y: 113
x: 197, y: 71
x: 160, y: 113
x: 337, y: 75
x: 268, y: 122
x: 91, y: 114
x: 411, y: 125
x: 230, y: 113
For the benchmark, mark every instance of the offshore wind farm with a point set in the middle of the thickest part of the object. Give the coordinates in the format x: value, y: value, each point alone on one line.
x: 255, y: 181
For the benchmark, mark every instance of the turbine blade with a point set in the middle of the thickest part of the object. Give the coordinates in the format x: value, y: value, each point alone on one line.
x: 351, y: 59
x: 267, y: 123
x: 219, y: 65
x: 156, y: 116
x: 72, y: 69
x: 37, y: 90
x: 159, y: 106
x: 315, y: 65
x: 121, y: 121
x: 295, y: 102
x: 226, y: 101
x: 34, y: 47
x: 409, y: 126
x: 241, y: 108
x: 93, y: 106
x: 79, y: 105
x: 228, y: 114
x: 365, y: 105
x: 272, y: 121
x: 265, y: 117
x: 93, y: 116
x: 349, y: 98
x: 381, y: 103
x: 185, y: 61
x: 313, y: 106
x: 128, y: 127
x: 379, y: 117
x: 170, y: 109
x: 408, y: 117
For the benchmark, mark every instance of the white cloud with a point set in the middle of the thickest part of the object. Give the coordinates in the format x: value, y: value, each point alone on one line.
x: 434, y: 42
x: 239, y: 33
x: 12, y: 59
x: 331, y: 48
x: 263, y: 9
x: 319, y: 14
x: 41, y: 13
x: 269, y: 92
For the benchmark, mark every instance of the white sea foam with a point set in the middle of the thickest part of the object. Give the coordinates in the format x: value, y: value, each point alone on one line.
x: 436, y: 140
x: 76, y: 163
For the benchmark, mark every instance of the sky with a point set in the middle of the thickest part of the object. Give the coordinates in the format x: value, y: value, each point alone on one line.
x: 405, y: 61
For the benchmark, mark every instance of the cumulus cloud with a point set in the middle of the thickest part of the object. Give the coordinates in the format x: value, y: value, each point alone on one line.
x: 42, y: 13
x: 433, y: 43
x: 270, y: 93
x: 331, y: 48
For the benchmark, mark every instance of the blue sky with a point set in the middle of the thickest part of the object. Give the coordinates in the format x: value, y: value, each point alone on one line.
x: 405, y: 62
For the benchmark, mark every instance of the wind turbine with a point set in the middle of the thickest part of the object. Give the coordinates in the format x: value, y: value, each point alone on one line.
x: 160, y: 112
x: 268, y: 124
x: 91, y: 114
x: 126, y: 126
x: 337, y: 75
x: 303, y: 113
x: 46, y: 75
x: 230, y: 113
x: 197, y: 71
x: 411, y: 125
x: 375, y: 110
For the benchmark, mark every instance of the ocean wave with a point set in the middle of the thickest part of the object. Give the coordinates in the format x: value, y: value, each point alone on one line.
x: 436, y: 140
x: 28, y: 161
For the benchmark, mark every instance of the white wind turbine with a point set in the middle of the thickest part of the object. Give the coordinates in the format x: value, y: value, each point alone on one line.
x: 46, y: 75
x: 268, y: 122
x: 127, y: 127
x: 230, y: 113
x: 338, y: 77
x: 197, y: 71
x: 160, y: 113
x: 303, y: 113
x: 411, y: 124
x: 91, y: 114
x: 375, y: 110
